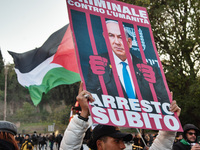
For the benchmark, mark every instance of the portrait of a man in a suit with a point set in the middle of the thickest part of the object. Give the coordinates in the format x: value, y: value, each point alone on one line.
x: 145, y: 73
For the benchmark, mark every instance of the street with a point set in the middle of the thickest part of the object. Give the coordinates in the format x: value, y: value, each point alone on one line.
x: 128, y: 147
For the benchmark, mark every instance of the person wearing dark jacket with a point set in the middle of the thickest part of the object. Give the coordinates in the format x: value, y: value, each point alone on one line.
x: 42, y: 142
x: 52, y: 140
x: 58, y: 140
x: 35, y: 138
x: 27, y: 143
x: 189, y: 141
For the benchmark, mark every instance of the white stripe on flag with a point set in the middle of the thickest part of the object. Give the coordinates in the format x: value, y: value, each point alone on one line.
x: 35, y: 76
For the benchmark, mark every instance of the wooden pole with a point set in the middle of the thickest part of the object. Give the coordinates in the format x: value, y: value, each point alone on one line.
x: 5, y: 92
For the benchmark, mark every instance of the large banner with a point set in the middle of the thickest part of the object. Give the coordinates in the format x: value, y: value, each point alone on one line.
x: 120, y: 66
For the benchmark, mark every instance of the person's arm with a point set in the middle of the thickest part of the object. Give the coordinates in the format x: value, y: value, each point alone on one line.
x: 165, y: 139
x: 77, y: 127
x: 74, y: 134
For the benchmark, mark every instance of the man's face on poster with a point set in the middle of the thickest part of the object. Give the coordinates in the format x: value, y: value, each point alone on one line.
x: 116, y: 40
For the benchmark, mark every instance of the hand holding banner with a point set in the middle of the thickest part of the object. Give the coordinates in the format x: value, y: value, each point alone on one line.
x: 110, y: 33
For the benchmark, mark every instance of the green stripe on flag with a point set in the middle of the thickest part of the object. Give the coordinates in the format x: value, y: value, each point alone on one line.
x: 53, y: 78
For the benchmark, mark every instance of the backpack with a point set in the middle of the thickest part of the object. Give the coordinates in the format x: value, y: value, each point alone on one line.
x: 27, y: 146
x: 34, y: 139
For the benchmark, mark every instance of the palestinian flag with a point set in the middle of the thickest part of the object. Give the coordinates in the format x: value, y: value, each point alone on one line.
x: 44, y: 68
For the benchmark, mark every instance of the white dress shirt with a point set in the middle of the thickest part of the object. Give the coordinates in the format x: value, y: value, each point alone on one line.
x: 119, y: 67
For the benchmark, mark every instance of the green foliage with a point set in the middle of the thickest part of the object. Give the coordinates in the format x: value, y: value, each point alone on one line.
x: 176, y: 31
x: 144, y: 3
x: 1, y: 76
x: 26, y: 113
x: 15, y: 92
x: 60, y: 117
x: 1, y: 63
x: 67, y: 93
x: 29, y: 114
x: 29, y: 128
x: 1, y: 95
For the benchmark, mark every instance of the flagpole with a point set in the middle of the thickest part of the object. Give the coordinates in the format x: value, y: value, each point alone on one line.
x: 5, y: 92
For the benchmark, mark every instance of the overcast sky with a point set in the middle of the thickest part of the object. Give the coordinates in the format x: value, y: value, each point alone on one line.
x: 26, y: 24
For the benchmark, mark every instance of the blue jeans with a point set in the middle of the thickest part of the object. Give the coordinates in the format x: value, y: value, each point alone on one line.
x: 51, y: 145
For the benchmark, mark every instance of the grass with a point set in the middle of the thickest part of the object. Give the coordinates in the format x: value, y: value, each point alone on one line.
x: 29, y: 128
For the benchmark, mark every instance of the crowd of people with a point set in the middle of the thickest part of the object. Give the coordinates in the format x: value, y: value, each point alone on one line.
x: 102, y: 137
x: 108, y: 137
x: 141, y: 140
x: 38, y: 141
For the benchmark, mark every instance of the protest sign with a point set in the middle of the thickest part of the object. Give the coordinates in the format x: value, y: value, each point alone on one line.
x: 120, y: 66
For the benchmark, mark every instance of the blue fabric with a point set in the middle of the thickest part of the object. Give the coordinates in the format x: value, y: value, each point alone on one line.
x: 127, y: 82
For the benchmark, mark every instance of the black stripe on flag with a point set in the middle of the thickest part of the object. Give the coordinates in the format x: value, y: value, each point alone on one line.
x: 25, y: 62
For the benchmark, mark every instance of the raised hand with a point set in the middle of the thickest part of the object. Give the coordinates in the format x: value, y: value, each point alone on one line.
x: 83, y: 98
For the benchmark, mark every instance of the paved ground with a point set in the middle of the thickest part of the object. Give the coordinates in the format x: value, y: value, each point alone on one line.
x: 128, y: 147
x: 48, y: 148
